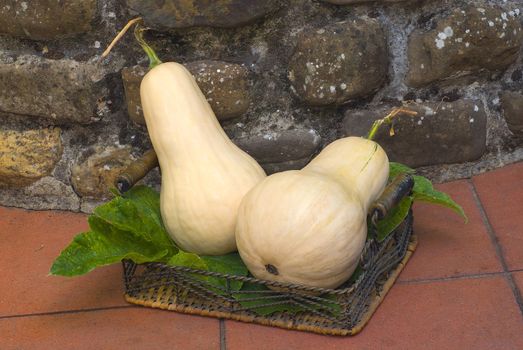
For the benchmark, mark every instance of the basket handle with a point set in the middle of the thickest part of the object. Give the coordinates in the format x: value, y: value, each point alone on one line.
x: 400, y: 187
x: 136, y: 171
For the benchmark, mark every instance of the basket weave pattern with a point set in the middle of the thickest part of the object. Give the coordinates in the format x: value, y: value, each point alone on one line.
x: 341, y: 311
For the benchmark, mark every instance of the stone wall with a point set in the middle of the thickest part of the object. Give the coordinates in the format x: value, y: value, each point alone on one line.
x: 285, y: 78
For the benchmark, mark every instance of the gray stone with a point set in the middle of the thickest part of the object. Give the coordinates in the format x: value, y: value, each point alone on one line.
x: 350, y: 2
x: 441, y: 133
x: 271, y: 168
x: 468, y: 41
x: 340, y: 62
x: 28, y: 155
x: 132, y: 77
x: 61, y: 91
x: 225, y: 85
x: 281, y: 150
x: 89, y: 205
x: 512, y: 103
x: 46, y: 19
x: 94, y: 176
x: 47, y: 193
x: 195, y: 13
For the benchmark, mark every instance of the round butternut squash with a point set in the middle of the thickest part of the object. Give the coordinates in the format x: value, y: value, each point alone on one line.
x: 309, y: 226
x: 301, y: 227
x: 204, y: 174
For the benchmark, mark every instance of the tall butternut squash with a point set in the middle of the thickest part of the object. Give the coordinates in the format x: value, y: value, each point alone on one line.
x: 204, y: 175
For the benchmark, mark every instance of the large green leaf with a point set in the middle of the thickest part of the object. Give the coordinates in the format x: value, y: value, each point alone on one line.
x: 130, y: 227
x: 230, y: 264
x: 425, y: 191
x: 264, y: 301
x: 394, y: 218
x: 397, y: 168
x: 188, y: 260
x: 138, y: 211
x: 104, y: 245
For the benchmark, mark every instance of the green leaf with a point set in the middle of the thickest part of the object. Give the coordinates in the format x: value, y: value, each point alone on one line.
x: 394, y: 218
x: 127, y: 227
x: 130, y: 227
x: 138, y: 211
x: 104, y: 245
x: 356, y: 274
x: 424, y: 191
x: 229, y: 263
x: 264, y: 301
x: 257, y: 297
x: 188, y: 260
x: 397, y: 168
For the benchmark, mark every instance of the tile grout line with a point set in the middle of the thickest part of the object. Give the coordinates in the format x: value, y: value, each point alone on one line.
x: 65, y: 312
x: 223, y: 344
x: 499, y: 251
x: 457, y: 277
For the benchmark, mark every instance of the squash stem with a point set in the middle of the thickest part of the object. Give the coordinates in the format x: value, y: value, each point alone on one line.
x: 120, y: 35
x: 153, y: 57
x: 388, y: 120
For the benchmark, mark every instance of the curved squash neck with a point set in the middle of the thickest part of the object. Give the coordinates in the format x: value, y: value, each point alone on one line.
x: 177, y: 113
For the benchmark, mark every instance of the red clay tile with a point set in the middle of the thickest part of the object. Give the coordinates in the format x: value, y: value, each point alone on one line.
x: 128, y: 328
x: 501, y: 193
x: 457, y: 314
x: 447, y: 246
x: 518, y: 278
x: 31, y: 240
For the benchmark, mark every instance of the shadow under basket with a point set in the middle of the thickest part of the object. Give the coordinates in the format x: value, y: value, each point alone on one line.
x: 342, y: 311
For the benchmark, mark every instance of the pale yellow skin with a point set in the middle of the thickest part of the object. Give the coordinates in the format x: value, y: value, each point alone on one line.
x: 204, y: 174
x: 311, y: 224
x: 356, y: 162
x: 306, y: 225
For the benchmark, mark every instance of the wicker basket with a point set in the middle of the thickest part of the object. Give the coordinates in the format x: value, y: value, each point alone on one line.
x: 341, y: 311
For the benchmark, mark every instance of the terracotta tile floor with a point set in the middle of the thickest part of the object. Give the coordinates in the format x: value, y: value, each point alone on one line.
x: 462, y: 289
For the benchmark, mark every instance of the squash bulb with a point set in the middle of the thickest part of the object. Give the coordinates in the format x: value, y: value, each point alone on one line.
x: 301, y: 227
x: 357, y: 163
x: 204, y: 174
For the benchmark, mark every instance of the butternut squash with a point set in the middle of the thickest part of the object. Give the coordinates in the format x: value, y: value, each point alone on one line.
x: 204, y: 175
x: 309, y: 226
x: 355, y: 162
x: 301, y: 227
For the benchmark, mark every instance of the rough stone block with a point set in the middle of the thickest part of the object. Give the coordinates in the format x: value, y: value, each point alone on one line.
x: 445, y: 133
x: 132, y: 77
x: 46, y: 193
x: 94, y: 176
x: 281, y: 150
x: 225, y: 85
x: 512, y: 103
x: 26, y: 156
x: 46, y: 19
x: 61, y: 91
x: 471, y: 39
x: 340, y: 62
x: 196, y: 13
x: 350, y: 2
